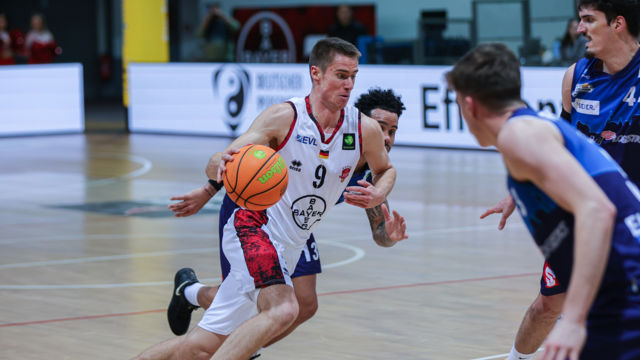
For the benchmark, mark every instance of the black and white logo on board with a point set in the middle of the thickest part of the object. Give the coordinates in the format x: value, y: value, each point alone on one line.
x: 231, y: 84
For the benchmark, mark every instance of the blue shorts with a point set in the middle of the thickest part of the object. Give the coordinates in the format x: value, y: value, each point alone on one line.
x: 308, y: 264
x: 613, y: 337
x: 613, y: 330
x: 549, y: 285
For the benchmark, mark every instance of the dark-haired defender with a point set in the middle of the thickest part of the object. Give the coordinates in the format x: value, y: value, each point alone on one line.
x: 600, y: 98
x: 381, y: 105
x: 256, y: 301
x: 580, y: 207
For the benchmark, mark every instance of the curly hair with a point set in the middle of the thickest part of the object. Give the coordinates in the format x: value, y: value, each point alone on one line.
x: 377, y: 98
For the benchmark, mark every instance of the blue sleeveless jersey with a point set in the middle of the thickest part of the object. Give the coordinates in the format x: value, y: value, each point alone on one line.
x: 606, y: 108
x: 617, y: 304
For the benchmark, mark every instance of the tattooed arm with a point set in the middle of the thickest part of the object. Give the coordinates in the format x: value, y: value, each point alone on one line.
x: 386, y: 230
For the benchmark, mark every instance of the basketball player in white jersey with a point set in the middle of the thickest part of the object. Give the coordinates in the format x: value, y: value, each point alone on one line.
x: 385, y: 107
x: 256, y: 302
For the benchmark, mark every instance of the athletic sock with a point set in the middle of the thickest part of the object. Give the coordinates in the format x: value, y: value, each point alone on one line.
x: 515, y: 355
x: 191, y: 293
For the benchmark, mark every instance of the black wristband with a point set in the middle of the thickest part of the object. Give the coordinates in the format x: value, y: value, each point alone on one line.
x: 216, y: 185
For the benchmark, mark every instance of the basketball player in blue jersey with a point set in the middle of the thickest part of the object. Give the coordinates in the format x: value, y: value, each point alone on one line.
x: 580, y: 207
x: 256, y: 302
x: 600, y: 98
x: 381, y: 105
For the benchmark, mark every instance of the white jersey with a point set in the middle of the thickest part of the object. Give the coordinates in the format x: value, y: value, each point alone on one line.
x: 320, y: 166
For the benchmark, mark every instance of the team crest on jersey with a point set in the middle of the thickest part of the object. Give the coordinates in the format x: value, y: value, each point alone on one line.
x: 349, y: 141
x: 296, y: 165
x: 308, y: 210
x: 549, y: 277
x: 345, y: 172
x: 608, y: 135
x: 581, y: 89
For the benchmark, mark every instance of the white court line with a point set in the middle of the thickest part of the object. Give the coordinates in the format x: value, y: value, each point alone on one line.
x: 145, y: 168
x: 97, y: 286
x: 498, y: 356
x: 358, y: 254
x: 493, y: 357
x: 106, y: 258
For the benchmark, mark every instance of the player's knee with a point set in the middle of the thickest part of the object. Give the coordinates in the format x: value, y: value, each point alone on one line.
x: 195, y: 352
x: 308, y: 307
x: 284, y: 314
x: 547, y: 306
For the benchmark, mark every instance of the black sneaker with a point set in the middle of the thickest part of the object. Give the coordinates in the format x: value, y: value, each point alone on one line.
x: 179, y: 311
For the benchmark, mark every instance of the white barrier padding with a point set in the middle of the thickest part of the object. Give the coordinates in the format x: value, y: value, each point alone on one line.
x: 223, y: 99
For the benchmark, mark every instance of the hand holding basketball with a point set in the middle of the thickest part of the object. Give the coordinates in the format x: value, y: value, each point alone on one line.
x: 227, y: 156
x: 255, y: 177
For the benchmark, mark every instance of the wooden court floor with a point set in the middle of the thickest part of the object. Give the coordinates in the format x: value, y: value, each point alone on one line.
x: 89, y: 250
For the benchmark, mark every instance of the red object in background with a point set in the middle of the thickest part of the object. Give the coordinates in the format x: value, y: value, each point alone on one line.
x: 303, y: 21
x: 7, y: 61
x: 43, y: 53
x: 6, y: 56
x: 105, y: 67
x: 17, y: 41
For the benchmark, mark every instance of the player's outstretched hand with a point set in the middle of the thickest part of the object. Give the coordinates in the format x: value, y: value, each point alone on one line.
x: 227, y: 156
x: 365, y: 196
x: 565, y: 341
x: 395, y: 226
x: 505, y: 207
x: 190, y: 203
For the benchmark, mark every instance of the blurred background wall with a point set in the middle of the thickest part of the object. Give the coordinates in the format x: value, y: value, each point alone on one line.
x: 402, y: 32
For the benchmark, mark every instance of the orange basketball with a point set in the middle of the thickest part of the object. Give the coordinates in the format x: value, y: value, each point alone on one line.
x: 256, y: 178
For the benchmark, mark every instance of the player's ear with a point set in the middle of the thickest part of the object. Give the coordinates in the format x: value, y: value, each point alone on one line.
x: 619, y: 23
x: 468, y: 102
x: 315, y: 73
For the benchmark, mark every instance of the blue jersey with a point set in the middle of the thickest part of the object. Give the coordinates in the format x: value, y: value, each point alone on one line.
x: 617, y: 304
x: 606, y: 108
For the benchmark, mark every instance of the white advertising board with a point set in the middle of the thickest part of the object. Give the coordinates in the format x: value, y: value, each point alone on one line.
x: 223, y: 99
x: 41, y: 99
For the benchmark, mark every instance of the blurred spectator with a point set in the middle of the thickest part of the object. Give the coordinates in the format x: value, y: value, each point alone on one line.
x: 40, y: 45
x: 218, y: 31
x: 571, y: 47
x: 6, y: 54
x: 345, y: 27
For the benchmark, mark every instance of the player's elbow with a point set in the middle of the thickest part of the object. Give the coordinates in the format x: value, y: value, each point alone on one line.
x: 599, y: 211
x: 605, y: 209
x: 609, y: 210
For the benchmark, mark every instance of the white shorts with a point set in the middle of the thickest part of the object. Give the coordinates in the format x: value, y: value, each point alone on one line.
x: 256, y: 261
